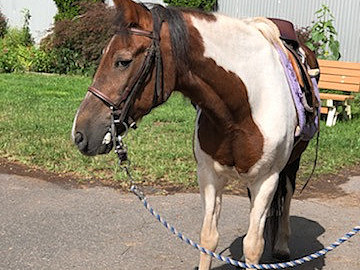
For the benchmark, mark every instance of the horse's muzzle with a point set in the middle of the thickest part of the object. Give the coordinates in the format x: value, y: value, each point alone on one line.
x: 82, y: 143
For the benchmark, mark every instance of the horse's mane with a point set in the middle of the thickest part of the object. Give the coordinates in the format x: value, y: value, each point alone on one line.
x: 179, y: 35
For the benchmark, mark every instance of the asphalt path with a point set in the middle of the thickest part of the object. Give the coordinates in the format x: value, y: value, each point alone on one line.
x: 49, y: 226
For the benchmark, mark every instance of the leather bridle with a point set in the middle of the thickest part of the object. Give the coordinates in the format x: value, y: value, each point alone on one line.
x: 152, y: 57
x: 120, y: 109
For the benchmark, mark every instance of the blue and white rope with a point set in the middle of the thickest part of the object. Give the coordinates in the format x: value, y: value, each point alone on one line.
x: 228, y: 260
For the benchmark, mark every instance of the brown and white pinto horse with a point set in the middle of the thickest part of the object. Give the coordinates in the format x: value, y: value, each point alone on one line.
x: 246, y: 118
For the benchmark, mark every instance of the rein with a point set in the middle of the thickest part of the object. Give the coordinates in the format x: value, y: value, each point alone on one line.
x: 120, y: 109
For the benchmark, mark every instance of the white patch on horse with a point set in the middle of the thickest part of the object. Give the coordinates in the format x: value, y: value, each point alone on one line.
x: 74, y: 126
x: 75, y: 119
x: 106, y: 49
x: 240, y: 47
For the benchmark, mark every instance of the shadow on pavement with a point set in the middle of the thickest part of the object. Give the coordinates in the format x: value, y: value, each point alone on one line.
x: 303, y: 241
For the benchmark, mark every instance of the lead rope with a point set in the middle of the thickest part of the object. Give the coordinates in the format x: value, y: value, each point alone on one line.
x: 124, y: 163
x: 140, y: 194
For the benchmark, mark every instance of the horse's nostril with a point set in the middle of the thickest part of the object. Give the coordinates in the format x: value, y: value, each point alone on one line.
x: 80, y: 141
x: 78, y: 138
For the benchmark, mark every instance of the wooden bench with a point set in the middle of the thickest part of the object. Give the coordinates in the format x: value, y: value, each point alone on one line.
x: 342, y: 77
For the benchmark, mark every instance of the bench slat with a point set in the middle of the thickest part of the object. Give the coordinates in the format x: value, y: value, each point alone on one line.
x: 336, y: 71
x: 339, y: 64
x: 335, y: 96
x: 339, y: 79
x: 339, y: 86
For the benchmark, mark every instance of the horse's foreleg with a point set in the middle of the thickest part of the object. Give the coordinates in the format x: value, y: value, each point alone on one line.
x: 211, y: 192
x: 262, y: 192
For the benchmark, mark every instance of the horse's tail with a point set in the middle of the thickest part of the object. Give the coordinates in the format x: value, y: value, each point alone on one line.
x: 268, y: 29
x: 286, y: 185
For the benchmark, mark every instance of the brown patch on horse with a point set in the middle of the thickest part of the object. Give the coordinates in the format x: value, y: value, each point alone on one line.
x: 227, y: 131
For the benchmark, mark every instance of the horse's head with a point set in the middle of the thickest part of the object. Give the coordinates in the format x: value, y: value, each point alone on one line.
x: 129, y: 80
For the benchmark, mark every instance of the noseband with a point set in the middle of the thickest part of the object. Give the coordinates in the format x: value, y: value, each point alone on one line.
x: 120, y: 109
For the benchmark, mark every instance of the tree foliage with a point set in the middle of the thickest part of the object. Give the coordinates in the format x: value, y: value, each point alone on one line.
x: 206, y: 5
x: 3, y: 25
x: 68, y: 9
x: 76, y: 44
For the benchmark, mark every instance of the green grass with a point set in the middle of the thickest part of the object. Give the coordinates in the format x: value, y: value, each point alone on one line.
x: 36, y: 114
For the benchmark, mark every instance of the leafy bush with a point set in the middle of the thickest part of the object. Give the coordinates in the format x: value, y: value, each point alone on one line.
x: 323, y: 35
x: 75, y: 45
x: 68, y: 9
x: 17, y: 48
x: 3, y: 25
x: 206, y: 5
x: 15, y: 53
x: 43, y: 61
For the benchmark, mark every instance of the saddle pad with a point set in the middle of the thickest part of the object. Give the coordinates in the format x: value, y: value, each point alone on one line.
x: 306, y: 130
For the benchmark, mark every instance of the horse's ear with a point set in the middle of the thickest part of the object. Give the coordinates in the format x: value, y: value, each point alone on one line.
x: 133, y: 13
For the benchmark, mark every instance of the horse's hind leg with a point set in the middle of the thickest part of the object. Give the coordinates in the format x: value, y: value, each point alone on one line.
x: 262, y: 193
x: 281, y: 239
x: 211, y: 187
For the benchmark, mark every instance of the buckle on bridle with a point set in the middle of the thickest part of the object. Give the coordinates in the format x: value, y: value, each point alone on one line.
x: 119, y: 146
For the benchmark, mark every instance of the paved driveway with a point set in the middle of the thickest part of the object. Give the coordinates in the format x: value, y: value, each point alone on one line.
x: 47, y: 226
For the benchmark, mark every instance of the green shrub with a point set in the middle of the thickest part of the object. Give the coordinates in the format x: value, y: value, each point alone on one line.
x: 43, y: 61
x: 206, y: 5
x: 17, y: 48
x: 323, y: 35
x: 3, y: 25
x: 15, y: 53
x: 68, y: 9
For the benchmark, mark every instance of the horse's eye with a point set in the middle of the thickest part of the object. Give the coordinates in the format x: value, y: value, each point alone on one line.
x: 122, y: 63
